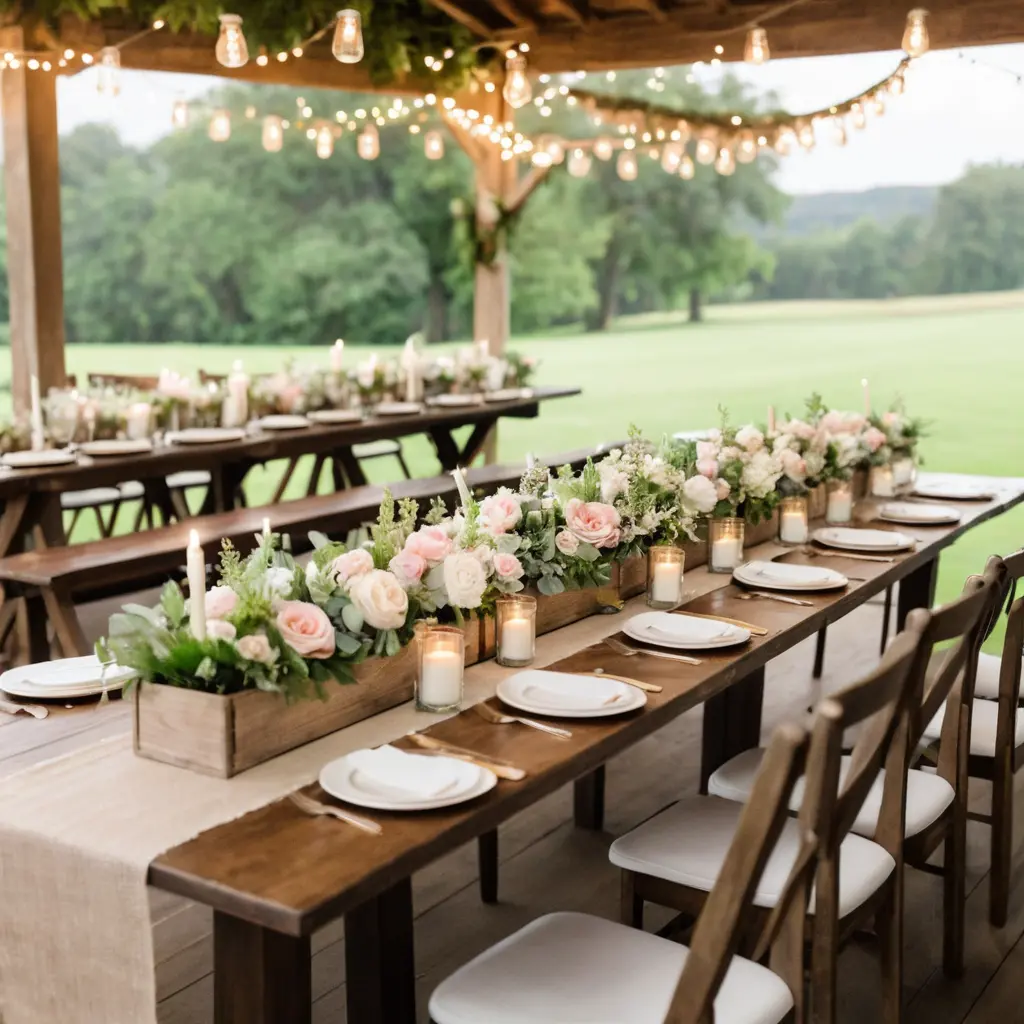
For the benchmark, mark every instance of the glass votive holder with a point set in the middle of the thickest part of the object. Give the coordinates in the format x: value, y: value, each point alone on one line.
x: 839, y: 506
x: 441, y: 658
x: 139, y: 421
x: 904, y: 473
x: 725, y: 543
x: 793, y: 516
x: 881, y: 483
x: 516, y: 630
x: 665, y: 576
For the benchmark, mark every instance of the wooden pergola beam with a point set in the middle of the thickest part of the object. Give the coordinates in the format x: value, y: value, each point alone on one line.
x: 571, y: 10
x: 457, y: 11
x: 513, y: 13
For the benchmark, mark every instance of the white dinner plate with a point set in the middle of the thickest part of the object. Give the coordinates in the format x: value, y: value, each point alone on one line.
x: 283, y: 422
x: 683, y: 632
x: 922, y: 515
x: 63, y: 678
x: 102, y: 448
x: 454, y: 401
x: 507, y: 394
x: 397, y: 409
x: 207, y: 435
x: 33, y: 460
x: 335, y: 416
x: 343, y: 780
x: 855, y: 539
x: 953, y: 490
x: 783, y: 576
x: 567, y: 695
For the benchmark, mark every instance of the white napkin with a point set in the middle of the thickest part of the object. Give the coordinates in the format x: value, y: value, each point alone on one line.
x: 919, y: 513
x: 562, y: 689
x: 424, y: 777
x: 684, y: 627
x: 786, y: 573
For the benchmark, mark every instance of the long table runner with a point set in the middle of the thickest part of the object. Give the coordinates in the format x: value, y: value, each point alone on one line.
x: 78, y: 833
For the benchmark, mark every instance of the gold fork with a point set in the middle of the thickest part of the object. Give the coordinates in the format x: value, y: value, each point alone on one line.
x: 308, y: 805
x: 489, y: 714
x: 629, y: 652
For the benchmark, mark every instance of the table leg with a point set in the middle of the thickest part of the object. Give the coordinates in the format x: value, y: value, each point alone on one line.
x: 588, y: 800
x: 732, y: 724
x: 158, y: 496
x: 350, y: 464
x: 487, y: 860
x: 917, y: 590
x: 259, y: 976
x: 450, y: 455
x: 379, y: 964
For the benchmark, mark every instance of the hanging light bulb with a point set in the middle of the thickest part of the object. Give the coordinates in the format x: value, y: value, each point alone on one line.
x: 725, y: 162
x: 108, y: 71
x: 877, y: 105
x: 915, y: 35
x: 784, y: 141
x: 516, y: 90
x: 433, y: 145
x: 686, y: 168
x: 368, y: 142
x: 324, y: 141
x: 707, y: 149
x: 755, y: 49
x: 273, y: 133
x: 805, y: 135
x: 220, y: 126
x: 671, y: 156
x: 579, y: 163
x: 347, y: 45
x: 857, y: 116
x: 626, y: 165
x: 746, y: 147
x: 555, y: 151
x: 603, y: 148
x: 179, y: 114
x: 231, y: 49
x: 839, y: 131
x: 897, y: 85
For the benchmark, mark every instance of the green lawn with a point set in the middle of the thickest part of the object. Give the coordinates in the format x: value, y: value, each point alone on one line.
x: 955, y: 360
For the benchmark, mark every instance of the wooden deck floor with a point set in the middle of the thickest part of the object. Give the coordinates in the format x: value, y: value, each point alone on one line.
x: 548, y: 865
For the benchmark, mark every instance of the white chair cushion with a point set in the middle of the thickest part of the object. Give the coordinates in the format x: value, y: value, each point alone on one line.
x: 986, y: 683
x: 577, y: 969
x: 927, y: 795
x: 375, y: 449
x: 91, y: 498
x: 687, y: 844
x: 132, y: 490
x: 984, y: 718
x: 188, y: 478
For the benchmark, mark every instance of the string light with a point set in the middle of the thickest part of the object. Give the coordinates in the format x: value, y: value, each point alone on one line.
x: 755, y: 49
x: 433, y: 145
x: 746, y: 147
x: 603, y: 148
x: 686, y: 168
x: 579, y: 163
x: 324, y: 141
x: 516, y: 90
x: 231, y: 50
x: 368, y: 142
x: 108, y: 79
x: 877, y: 105
x: 220, y: 126
x: 347, y: 44
x: 915, y: 35
x: 272, y: 134
x: 626, y: 166
x: 671, y: 156
x: 839, y: 131
x: 725, y: 162
x: 179, y: 114
x: 857, y: 116
x: 805, y: 134
x: 706, y: 149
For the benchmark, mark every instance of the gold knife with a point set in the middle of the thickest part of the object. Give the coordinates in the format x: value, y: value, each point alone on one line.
x: 756, y: 630
x: 629, y: 680
x: 502, y: 769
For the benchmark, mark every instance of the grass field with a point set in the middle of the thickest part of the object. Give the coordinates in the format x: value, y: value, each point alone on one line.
x: 958, y: 361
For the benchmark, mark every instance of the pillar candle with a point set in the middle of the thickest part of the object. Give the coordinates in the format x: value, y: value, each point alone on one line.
x: 867, y: 396
x: 195, y: 564
x: 440, y: 683
x: 138, y: 421
x: 792, y: 527
x: 236, y: 411
x: 840, y: 507
x: 771, y: 419
x: 726, y: 552
x: 517, y: 640
x: 36, y: 413
x: 337, y: 356
x: 666, y: 583
x: 465, y: 498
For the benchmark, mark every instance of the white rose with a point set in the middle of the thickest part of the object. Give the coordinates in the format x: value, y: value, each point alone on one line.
x: 614, y: 480
x: 464, y: 579
x: 218, y: 629
x: 815, y: 464
x: 256, y: 647
x: 566, y: 542
x: 761, y: 474
x: 380, y: 599
x: 749, y: 437
x: 701, y: 493
x: 278, y: 581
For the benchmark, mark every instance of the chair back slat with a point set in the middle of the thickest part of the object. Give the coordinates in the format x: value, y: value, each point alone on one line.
x: 139, y: 381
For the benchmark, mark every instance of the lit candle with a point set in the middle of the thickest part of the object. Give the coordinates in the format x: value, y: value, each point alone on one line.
x: 195, y: 564
x: 666, y: 583
x: 882, y: 485
x: 903, y: 471
x: 266, y: 528
x: 726, y: 553
x: 793, y: 526
x: 440, y: 679
x: 840, y: 505
x: 337, y: 355
x: 138, y: 420
x: 465, y: 498
x: 36, y: 413
x: 771, y: 419
x: 867, y: 396
x: 517, y: 640
x: 483, y: 348
x: 236, y: 405
x: 411, y: 366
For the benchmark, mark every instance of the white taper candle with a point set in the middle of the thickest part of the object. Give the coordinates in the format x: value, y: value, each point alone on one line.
x: 195, y: 564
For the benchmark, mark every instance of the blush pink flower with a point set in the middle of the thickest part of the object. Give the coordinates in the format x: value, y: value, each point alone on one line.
x: 874, y: 438
x: 507, y: 566
x: 890, y: 419
x: 566, y: 542
x: 593, y: 522
x: 218, y: 629
x: 431, y: 543
x: 408, y: 567
x: 220, y: 602
x: 500, y: 512
x: 707, y: 450
x: 723, y: 489
x: 351, y: 565
x: 708, y: 468
x: 256, y: 647
x: 306, y: 629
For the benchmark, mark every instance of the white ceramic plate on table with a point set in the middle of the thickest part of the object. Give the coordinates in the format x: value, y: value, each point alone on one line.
x: 508, y: 394
x: 98, y: 449
x: 567, y: 695
x: 919, y: 514
x: 348, y: 779
x: 783, y: 576
x: 64, y: 678
x: 285, y: 421
x: 953, y: 490
x: 207, y: 435
x: 34, y: 460
x: 397, y: 409
x: 683, y: 632
x: 335, y: 416
x: 454, y: 401
x: 855, y: 539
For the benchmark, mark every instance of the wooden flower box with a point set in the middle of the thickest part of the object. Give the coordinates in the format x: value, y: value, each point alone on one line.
x: 817, y: 502
x: 766, y: 530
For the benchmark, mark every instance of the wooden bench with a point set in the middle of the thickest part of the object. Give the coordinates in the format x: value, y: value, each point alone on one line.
x: 49, y: 581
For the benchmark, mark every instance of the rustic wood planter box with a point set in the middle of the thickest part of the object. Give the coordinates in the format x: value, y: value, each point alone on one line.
x: 817, y: 502
x: 224, y: 735
x: 766, y: 530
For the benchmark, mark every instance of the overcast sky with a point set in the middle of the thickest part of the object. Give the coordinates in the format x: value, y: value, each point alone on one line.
x: 953, y: 113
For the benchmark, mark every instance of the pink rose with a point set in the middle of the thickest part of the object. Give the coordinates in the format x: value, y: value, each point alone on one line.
x: 708, y: 468
x: 707, y: 450
x: 431, y: 543
x: 218, y: 629
x: 793, y: 465
x: 723, y: 489
x: 593, y: 522
x: 833, y: 423
x: 306, y: 629
x: 500, y: 512
x: 890, y: 419
x: 798, y: 428
x: 220, y: 602
x: 566, y: 542
x: 874, y: 438
x: 750, y: 438
x: 408, y: 567
x: 351, y: 564
x: 507, y: 566
x: 256, y: 647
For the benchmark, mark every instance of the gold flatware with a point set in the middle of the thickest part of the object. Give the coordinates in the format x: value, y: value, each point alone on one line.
x: 489, y: 714
x: 35, y: 710
x: 818, y: 553
x: 756, y: 630
x: 629, y: 680
x: 308, y: 805
x: 625, y: 649
x: 749, y: 595
x: 502, y: 769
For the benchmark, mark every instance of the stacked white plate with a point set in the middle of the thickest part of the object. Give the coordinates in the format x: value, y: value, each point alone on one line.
x: 854, y: 539
x: 782, y: 576
x: 565, y: 695
x: 454, y: 401
x: 33, y: 460
x: 912, y: 512
x: 390, y: 779
x: 508, y: 394
x: 64, y: 679
x: 99, y: 449
x: 683, y: 632
x: 283, y: 422
x: 953, y: 489
x: 397, y: 409
x: 335, y: 416
x: 206, y: 435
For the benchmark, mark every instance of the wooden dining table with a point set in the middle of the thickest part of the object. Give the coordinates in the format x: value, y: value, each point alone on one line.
x: 275, y: 875
x: 30, y: 498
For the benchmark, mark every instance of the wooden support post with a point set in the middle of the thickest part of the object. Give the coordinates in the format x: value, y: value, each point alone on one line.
x: 34, y: 262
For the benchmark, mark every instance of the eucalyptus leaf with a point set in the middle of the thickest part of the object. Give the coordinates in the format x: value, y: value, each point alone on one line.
x: 352, y: 618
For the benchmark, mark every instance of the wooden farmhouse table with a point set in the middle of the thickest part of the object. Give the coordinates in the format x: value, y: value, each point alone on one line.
x: 276, y: 875
x: 30, y: 498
